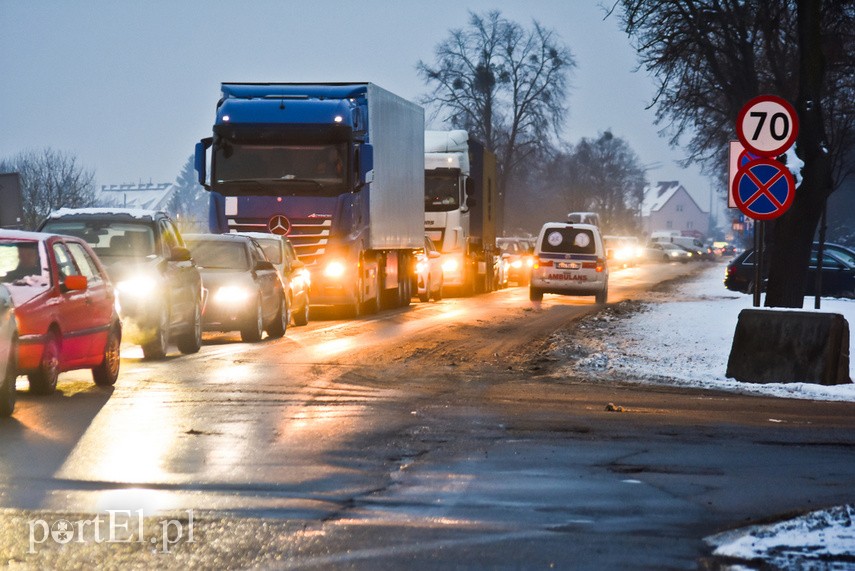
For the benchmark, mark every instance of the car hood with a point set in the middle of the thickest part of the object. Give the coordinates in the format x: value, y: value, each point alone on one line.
x: 25, y: 290
x: 120, y: 269
x: 216, y: 278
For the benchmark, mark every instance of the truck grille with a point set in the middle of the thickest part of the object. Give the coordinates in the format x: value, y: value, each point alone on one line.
x: 309, y: 236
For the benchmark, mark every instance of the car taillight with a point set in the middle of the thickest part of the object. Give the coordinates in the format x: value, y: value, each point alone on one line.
x: 601, y: 264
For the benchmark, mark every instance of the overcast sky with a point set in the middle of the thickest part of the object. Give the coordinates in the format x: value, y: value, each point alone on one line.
x: 129, y: 87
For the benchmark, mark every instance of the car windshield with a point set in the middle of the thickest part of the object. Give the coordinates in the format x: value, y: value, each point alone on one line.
x: 509, y: 247
x: 219, y: 254
x: 110, y: 239
x: 21, y: 262
x: 569, y: 241
x: 272, y: 250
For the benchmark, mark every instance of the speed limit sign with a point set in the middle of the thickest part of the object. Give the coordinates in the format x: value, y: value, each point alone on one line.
x: 767, y: 125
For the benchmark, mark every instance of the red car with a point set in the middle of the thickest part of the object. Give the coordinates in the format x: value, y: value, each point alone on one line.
x: 65, y: 307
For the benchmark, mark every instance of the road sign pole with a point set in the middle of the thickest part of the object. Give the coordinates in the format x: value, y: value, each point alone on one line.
x: 758, y: 257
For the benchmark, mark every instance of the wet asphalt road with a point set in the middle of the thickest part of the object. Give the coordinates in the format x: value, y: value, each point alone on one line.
x: 426, y: 437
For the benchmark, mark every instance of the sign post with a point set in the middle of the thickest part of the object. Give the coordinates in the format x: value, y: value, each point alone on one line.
x: 763, y: 188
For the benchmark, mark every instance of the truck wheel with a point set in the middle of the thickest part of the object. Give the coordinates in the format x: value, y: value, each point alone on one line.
x: 43, y: 379
x: 253, y: 329
x: 534, y: 294
x: 106, y: 373
x: 8, y: 394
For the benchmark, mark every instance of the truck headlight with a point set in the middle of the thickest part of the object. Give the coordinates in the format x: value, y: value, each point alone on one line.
x: 232, y: 294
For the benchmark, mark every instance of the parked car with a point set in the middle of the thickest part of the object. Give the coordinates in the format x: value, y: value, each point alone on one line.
x: 245, y: 291
x: 159, y: 288
x: 429, y: 274
x: 294, y: 273
x: 8, y: 353
x: 666, y: 252
x: 519, y: 257
x: 838, y: 272
x: 65, y: 308
x: 570, y: 259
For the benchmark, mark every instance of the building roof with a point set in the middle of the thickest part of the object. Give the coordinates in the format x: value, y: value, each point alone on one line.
x: 657, y: 195
x: 151, y: 196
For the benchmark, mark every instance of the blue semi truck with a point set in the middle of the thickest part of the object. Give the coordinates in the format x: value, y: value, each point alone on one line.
x: 336, y: 167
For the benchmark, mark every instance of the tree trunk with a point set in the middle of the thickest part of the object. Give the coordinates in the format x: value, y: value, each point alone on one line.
x: 794, y: 231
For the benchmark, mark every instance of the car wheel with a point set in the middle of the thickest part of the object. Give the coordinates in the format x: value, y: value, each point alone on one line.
x: 159, y: 346
x: 603, y: 295
x: 43, y: 379
x: 107, y: 372
x: 437, y: 295
x: 191, y: 341
x: 302, y: 317
x: 254, y: 328
x: 425, y: 297
x: 280, y: 321
x: 8, y: 394
x: 534, y: 294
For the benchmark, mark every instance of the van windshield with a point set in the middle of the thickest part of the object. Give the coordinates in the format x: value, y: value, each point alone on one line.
x: 568, y: 241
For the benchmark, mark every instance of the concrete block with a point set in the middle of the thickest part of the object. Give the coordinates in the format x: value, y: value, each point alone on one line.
x: 772, y: 346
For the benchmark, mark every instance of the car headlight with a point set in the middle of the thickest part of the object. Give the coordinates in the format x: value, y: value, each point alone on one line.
x: 420, y: 267
x: 516, y: 264
x: 335, y: 270
x: 138, y: 286
x: 450, y: 265
x: 232, y: 294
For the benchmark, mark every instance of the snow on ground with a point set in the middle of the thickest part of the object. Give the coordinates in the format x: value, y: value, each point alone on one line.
x: 680, y: 337
x: 817, y: 540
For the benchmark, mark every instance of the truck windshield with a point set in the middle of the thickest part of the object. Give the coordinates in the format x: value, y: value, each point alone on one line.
x: 281, y: 169
x: 442, y: 192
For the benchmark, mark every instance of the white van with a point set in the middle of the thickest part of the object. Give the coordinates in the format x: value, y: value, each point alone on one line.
x: 591, y: 218
x: 570, y: 259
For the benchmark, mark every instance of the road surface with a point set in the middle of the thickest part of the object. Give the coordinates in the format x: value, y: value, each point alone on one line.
x: 425, y: 437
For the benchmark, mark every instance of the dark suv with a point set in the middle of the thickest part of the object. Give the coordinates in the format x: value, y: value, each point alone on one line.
x: 159, y: 288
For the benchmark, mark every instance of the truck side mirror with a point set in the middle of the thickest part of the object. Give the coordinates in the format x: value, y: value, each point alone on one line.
x: 201, y: 162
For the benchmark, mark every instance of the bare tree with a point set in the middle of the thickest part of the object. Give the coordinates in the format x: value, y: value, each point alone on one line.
x: 503, y: 83
x: 50, y: 180
x: 711, y: 56
x: 602, y: 175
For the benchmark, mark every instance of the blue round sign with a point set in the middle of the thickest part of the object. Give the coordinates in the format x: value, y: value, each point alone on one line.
x: 763, y: 189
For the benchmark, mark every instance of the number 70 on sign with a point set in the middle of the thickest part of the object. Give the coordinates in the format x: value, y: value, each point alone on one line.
x: 767, y: 125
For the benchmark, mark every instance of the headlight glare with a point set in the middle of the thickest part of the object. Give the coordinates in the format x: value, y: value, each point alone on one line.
x: 232, y: 294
